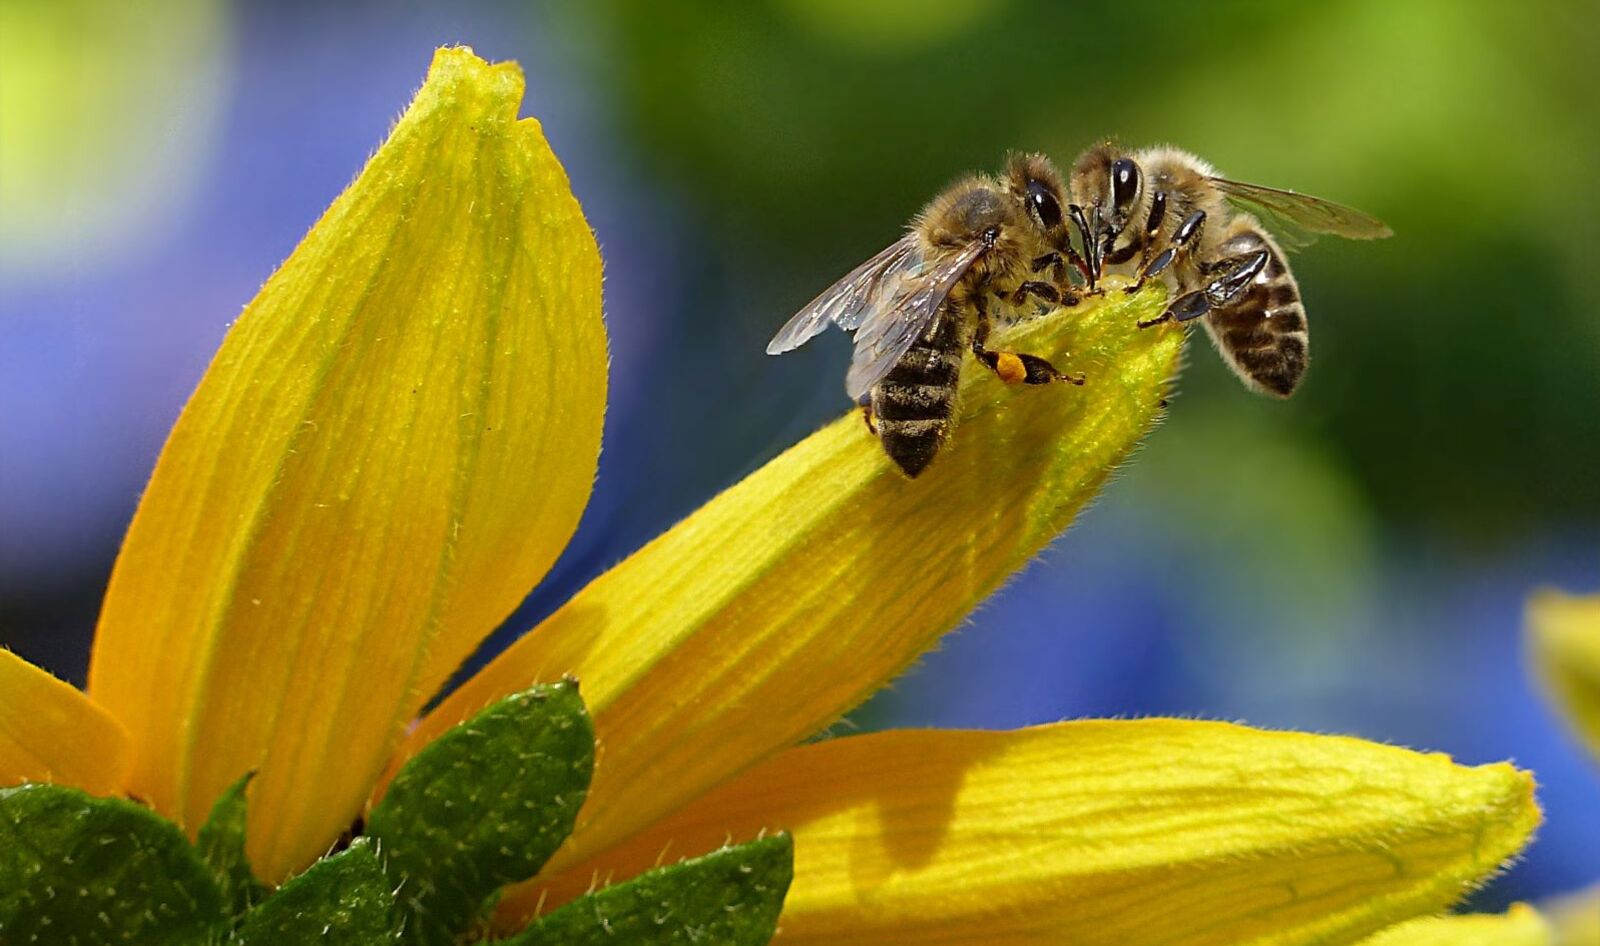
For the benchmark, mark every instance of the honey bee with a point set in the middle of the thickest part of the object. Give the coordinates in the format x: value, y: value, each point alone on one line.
x: 1184, y: 222
x: 983, y: 251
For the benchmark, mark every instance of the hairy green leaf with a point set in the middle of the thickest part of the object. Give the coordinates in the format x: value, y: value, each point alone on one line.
x: 343, y: 899
x: 731, y: 897
x: 221, y: 843
x: 84, y: 870
x: 482, y: 806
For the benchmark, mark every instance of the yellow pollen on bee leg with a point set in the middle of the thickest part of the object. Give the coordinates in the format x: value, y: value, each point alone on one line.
x: 1010, y: 368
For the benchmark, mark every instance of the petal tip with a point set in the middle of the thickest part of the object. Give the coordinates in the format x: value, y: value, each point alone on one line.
x: 456, y: 69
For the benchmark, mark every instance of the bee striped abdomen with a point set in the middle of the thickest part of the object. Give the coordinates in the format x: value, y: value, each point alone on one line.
x: 1262, y: 333
x: 913, y: 404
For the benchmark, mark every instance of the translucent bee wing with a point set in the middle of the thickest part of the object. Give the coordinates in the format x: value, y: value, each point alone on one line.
x: 1313, y: 214
x: 1290, y: 235
x: 887, y: 331
x: 847, y: 302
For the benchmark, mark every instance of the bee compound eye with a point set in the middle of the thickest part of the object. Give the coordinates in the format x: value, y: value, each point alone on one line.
x: 1044, y: 205
x: 1124, y: 184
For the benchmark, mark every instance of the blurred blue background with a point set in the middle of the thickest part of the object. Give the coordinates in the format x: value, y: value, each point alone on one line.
x: 1352, y: 561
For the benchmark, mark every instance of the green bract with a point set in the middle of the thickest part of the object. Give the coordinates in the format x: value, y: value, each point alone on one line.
x: 85, y: 870
x: 343, y: 900
x: 221, y: 844
x: 483, y: 806
x: 730, y: 897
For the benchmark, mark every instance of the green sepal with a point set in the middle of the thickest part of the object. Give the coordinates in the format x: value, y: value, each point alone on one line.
x: 79, y: 869
x: 484, y: 805
x: 221, y: 844
x: 731, y: 897
x: 343, y: 899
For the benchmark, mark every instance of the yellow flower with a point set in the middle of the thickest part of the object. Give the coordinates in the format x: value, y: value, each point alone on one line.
x: 397, y: 439
x: 1564, y: 638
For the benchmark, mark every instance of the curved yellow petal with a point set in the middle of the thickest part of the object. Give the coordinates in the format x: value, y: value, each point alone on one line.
x: 1117, y: 833
x: 1564, y: 636
x: 390, y: 448
x: 51, y: 732
x: 794, y: 595
x: 1520, y: 926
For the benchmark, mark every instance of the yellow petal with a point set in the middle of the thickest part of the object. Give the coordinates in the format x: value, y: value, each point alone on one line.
x: 50, y: 732
x: 389, y: 450
x: 1575, y: 917
x: 1564, y: 636
x: 794, y: 595
x: 1520, y: 926
x: 1117, y: 833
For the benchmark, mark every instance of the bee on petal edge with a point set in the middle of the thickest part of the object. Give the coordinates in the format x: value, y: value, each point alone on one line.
x: 978, y: 254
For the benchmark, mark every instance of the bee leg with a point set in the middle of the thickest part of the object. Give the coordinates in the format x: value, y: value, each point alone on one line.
x: 1043, y: 291
x: 866, y: 414
x: 1149, y: 266
x: 1006, y: 366
x: 1235, y: 276
x: 1190, y: 305
x: 1050, y: 294
x: 1057, y: 262
x: 1038, y: 371
x: 1021, y: 368
x: 1185, y: 240
x: 1014, y: 367
x: 1081, y: 265
x: 1111, y: 254
x: 1153, y: 267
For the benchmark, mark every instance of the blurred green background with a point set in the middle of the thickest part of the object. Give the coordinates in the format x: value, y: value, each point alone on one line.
x: 1352, y: 560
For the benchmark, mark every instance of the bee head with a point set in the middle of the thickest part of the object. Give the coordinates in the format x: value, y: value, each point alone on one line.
x: 1106, y: 180
x: 1035, y: 183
